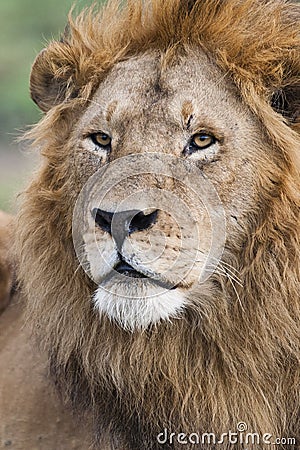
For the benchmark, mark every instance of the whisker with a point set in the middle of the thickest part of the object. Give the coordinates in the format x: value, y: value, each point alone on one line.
x: 221, y: 269
x: 231, y: 272
x: 227, y: 270
x: 224, y: 274
x: 226, y: 266
x: 77, y: 269
x: 230, y: 275
x: 237, y: 294
x: 233, y: 269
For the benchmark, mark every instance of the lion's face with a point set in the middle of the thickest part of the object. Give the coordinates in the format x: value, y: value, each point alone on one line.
x: 150, y: 232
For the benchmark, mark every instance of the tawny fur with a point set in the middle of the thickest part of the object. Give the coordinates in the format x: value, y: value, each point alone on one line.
x: 6, y: 265
x: 217, y: 366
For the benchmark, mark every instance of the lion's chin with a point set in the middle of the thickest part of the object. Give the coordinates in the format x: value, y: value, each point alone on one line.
x: 135, y: 304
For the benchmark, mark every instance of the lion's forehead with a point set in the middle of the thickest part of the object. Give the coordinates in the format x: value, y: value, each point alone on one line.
x: 145, y: 90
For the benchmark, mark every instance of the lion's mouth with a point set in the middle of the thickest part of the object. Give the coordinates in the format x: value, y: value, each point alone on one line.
x: 126, y: 269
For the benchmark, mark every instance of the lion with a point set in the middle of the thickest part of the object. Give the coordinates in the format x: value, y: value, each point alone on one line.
x: 158, y: 246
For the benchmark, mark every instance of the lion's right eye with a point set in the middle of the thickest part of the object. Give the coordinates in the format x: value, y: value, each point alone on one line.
x: 101, y: 139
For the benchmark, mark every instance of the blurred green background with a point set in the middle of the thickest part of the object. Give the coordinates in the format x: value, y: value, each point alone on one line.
x: 26, y: 26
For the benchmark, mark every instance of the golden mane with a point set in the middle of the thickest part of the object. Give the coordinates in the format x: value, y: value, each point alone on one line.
x: 247, y: 359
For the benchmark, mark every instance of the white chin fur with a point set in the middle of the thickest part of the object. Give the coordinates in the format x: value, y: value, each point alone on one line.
x: 122, y: 304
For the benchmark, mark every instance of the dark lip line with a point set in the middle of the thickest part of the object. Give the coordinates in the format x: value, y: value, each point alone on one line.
x: 163, y: 284
x: 124, y: 266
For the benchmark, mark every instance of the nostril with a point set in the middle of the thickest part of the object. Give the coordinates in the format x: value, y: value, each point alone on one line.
x: 125, y: 222
x: 103, y: 219
x: 142, y: 221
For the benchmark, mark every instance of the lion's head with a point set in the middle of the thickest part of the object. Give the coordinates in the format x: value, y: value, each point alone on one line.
x: 170, y: 141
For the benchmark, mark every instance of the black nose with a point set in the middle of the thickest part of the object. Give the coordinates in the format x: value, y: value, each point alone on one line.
x: 121, y: 224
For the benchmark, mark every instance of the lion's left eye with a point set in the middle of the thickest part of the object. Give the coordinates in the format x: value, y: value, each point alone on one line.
x: 101, y: 139
x: 202, y: 140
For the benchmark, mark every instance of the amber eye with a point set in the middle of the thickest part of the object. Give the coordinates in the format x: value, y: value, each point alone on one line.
x: 202, y: 140
x: 101, y: 139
